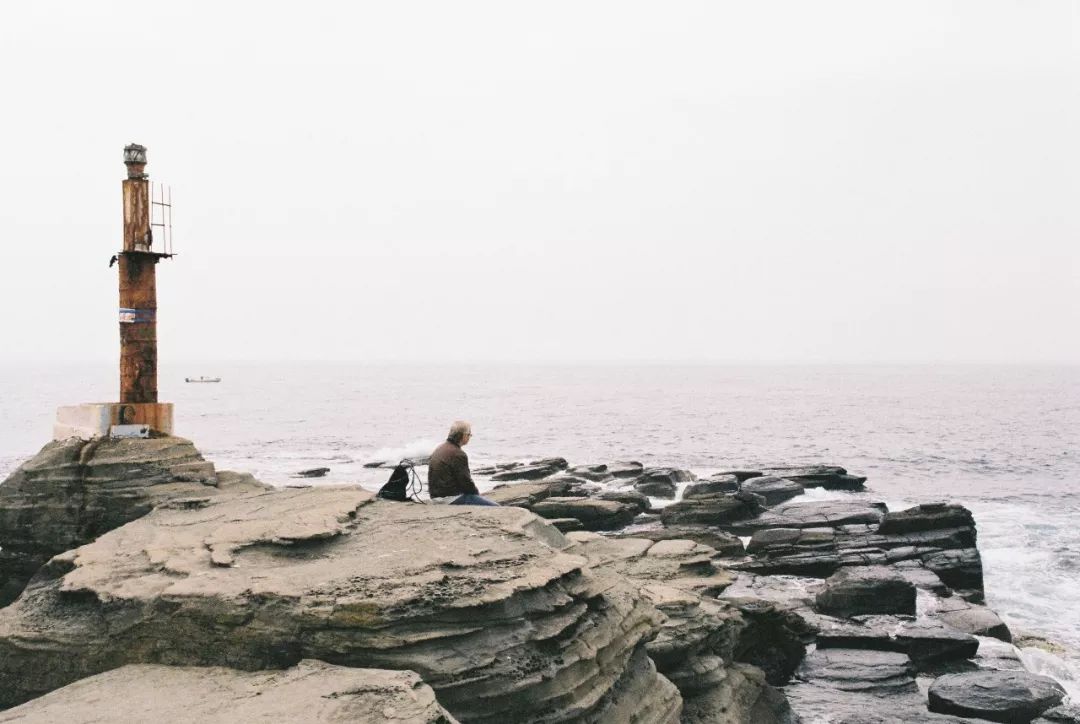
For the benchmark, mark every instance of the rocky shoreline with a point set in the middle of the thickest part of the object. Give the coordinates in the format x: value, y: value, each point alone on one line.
x: 133, y: 571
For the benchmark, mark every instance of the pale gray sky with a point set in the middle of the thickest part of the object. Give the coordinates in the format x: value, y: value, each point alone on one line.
x: 741, y: 181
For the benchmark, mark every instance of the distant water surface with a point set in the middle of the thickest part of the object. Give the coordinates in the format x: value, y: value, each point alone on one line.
x: 1004, y: 441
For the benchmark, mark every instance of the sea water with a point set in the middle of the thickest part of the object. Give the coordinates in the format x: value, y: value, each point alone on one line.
x: 1004, y: 441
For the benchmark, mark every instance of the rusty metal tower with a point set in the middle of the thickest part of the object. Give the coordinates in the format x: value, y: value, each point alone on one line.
x: 138, y: 285
x: 138, y: 414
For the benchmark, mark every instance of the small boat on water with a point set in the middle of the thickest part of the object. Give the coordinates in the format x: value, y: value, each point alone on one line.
x: 202, y: 379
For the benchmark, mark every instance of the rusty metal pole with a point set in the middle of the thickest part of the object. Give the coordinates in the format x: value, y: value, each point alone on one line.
x: 138, y: 286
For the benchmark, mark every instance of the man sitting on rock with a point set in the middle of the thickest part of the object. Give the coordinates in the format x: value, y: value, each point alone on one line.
x: 449, y: 479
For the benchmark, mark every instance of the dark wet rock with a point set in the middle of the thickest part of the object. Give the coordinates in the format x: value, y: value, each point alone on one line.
x: 866, y: 590
x: 744, y: 695
x: 536, y: 470
x: 313, y: 473
x: 711, y: 486
x: 661, y: 482
x: 496, y: 468
x: 717, y: 509
x: 311, y: 691
x: 73, y: 491
x: 972, y: 618
x: 958, y: 569
x: 928, y: 643
x: 525, y: 495
x: 1001, y: 696
x: 771, y: 639
x: 773, y: 489
x: 835, y: 633
x: 1067, y: 714
x: 791, y: 540
x: 594, y: 514
x: 815, y: 514
x: 627, y: 469
x: 567, y: 525
x: 789, y: 591
x: 590, y: 472
x: 640, y: 501
x: 503, y: 624
x: 928, y: 516
x: 739, y: 475
x: 830, y: 477
x: 725, y: 544
x: 877, y: 672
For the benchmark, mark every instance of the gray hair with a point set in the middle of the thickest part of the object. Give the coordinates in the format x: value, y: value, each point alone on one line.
x: 458, y: 431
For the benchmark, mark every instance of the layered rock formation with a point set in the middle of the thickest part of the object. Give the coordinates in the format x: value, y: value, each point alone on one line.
x: 836, y: 610
x: 479, y: 601
x: 312, y: 691
x: 74, y: 490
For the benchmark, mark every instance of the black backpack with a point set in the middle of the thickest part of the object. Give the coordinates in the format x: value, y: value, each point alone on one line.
x: 404, y: 484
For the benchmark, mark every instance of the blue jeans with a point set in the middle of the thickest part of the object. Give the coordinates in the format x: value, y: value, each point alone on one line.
x: 470, y: 499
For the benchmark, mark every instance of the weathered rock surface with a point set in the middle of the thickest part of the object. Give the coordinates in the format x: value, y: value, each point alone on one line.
x: 312, y: 691
x: 972, y: 618
x: 1001, y: 696
x: 830, y: 477
x: 594, y: 514
x: 725, y: 544
x: 714, y: 509
x: 534, y: 470
x: 481, y: 602
x: 866, y: 590
x: 1067, y: 714
x: 823, y: 514
x: 878, y: 672
x: 73, y: 491
x: 739, y: 475
x: 773, y: 489
x: 525, y: 495
x: 928, y: 516
x: 712, y: 485
x: 927, y: 644
x: 661, y: 482
x: 625, y: 469
x: 640, y: 501
x: 709, y: 648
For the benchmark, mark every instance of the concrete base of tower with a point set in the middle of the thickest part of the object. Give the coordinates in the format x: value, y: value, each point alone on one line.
x: 96, y: 419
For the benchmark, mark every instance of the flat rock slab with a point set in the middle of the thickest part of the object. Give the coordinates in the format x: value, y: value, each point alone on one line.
x: 525, y: 495
x: 594, y: 514
x: 878, y: 672
x: 715, y: 509
x: 725, y: 544
x: 861, y: 590
x: 311, y: 691
x: 482, y: 602
x: 830, y: 477
x: 535, y: 470
x: 823, y: 514
x: 972, y: 618
x: 928, y: 516
x: 773, y: 489
x: 712, y: 485
x: 1001, y: 696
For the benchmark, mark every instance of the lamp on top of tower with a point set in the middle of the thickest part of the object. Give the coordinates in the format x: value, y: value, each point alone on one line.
x: 135, y: 159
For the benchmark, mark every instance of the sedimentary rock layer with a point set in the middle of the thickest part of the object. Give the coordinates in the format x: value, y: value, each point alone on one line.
x: 480, y: 602
x: 312, y: 691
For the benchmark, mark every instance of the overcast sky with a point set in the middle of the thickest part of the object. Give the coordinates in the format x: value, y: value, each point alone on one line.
x: 435, y: 181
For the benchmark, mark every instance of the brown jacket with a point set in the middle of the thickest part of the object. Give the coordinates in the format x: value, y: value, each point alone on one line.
x: 448, y: 472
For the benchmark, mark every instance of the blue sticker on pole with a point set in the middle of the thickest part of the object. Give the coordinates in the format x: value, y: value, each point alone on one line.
x: 134, y: 316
